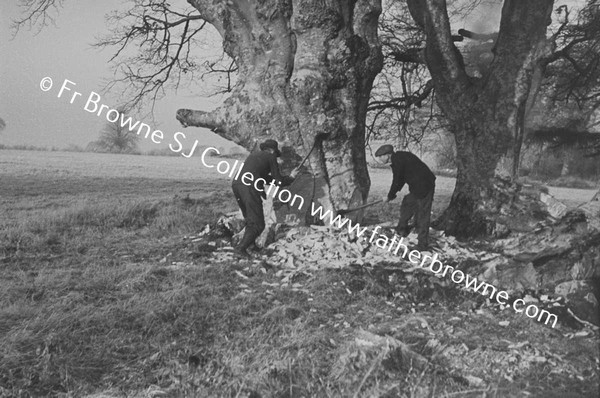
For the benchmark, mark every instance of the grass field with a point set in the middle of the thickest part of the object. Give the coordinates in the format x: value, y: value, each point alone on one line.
x: 101, y: 295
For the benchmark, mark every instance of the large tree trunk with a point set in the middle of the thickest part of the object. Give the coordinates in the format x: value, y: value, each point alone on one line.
x: 306, y: 70
x: 475, y: 163
x: 485, y: 114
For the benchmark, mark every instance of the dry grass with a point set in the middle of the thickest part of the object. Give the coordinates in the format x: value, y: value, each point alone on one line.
x: 82, y: 291
x: 99, y: 292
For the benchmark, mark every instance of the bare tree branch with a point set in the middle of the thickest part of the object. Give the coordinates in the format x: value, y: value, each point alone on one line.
x: 36, y: 13
x: 154, y: 44
x: 405, y: 101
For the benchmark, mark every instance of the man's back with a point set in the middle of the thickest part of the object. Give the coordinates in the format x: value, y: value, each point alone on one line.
x: 409, y: 169
x: 261, y: 164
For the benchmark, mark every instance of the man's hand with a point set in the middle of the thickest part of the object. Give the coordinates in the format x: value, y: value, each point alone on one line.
x: 294, y: 173
x: 385, y: 199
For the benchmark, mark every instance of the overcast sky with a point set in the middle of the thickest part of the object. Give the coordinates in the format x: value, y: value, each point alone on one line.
x: 64, y: 52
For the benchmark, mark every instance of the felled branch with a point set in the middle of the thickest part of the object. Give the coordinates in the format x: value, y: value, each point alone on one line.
x: 477, y: 36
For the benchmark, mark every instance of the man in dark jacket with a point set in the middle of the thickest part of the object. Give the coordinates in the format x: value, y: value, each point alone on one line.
x: 409, y: 169
x: 261, y: 165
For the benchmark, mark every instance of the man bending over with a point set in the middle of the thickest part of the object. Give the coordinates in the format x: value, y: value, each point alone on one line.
x: 409, y: 169
x: 262, y: 165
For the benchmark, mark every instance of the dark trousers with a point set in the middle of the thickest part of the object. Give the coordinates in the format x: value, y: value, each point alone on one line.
x: 250, y: 203
x: 421, y: 210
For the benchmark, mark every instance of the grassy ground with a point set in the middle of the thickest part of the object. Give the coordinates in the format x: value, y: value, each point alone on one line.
x: 101, y: 294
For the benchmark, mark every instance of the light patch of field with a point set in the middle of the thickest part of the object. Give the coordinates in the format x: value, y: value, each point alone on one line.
x: 79, y: 164
x: 572, y: 197
x: 33, y: 182
x: 48, y: 178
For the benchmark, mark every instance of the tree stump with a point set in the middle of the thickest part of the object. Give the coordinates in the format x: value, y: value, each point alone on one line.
x: 558, y: 256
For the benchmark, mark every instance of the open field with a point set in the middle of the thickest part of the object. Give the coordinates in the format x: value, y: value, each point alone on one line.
x: 101, y: 293
x: 35, y: 181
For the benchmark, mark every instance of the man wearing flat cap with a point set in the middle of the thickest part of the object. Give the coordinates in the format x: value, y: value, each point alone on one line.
x: 263, y: 167
x: 409, y: 169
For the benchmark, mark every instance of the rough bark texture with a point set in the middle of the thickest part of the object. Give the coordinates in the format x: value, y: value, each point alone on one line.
x: 485, y: 114
x: 562, y: 257
x: 306, y: 70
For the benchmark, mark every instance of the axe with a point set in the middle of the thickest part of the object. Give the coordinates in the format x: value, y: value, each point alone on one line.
x: 319, y: 136
x: 346, y: 211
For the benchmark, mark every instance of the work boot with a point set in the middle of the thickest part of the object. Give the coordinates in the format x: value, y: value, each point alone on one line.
x: 241, y: 253
x: 402, y: 231
x: 423, y: 247
x: 254, y: 249
x: 241, y: 249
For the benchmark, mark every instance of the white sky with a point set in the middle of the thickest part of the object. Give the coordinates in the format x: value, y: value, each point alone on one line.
x: 64, y: 52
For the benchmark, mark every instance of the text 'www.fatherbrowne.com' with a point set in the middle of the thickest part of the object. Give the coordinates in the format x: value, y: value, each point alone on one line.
x: 434, y: 265
x: 93, y: 105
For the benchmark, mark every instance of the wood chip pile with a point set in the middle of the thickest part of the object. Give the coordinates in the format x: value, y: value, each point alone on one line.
x: 555, y: 257
x: 306, y: 249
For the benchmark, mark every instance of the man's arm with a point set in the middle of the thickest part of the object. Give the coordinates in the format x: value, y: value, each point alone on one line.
x: 274, y: 166
x: 286, y: 181
x: 276, y: 174
x: 397, y: 179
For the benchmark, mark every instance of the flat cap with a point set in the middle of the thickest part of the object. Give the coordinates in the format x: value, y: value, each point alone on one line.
x: 384, y: 150
x: 270, y: 144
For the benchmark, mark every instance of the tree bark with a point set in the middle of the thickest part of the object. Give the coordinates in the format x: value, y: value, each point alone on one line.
x: 306, y: 70
x: 568, y: 157
x: 485, y: 114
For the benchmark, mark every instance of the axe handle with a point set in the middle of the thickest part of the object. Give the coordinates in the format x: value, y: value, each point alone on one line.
x: 360, y: 207
x: 319, y: 136
x: 307, y: 155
